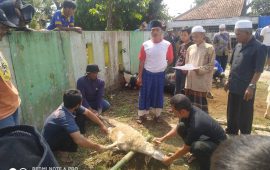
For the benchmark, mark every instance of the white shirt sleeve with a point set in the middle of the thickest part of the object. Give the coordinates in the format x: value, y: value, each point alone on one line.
x: 263, y: 31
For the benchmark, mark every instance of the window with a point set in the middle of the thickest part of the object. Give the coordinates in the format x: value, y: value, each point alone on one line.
x: 107, y: 54
x: 120, y: 55
x: 90, y: 54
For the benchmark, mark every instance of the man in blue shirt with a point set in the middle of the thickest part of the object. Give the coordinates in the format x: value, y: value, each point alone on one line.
x: 92, y: 89
x: 63, y: 20
x: 62, y: 130
x: 219, y: 72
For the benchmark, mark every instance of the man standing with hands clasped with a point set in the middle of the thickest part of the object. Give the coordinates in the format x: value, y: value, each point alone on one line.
x: 154, y: 56
x: 247, y: 64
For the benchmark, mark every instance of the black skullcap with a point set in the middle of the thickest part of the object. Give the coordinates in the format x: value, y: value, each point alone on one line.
x: 155, y: 23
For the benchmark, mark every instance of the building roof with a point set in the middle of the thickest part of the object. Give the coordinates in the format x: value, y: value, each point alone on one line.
x: 214, y: 9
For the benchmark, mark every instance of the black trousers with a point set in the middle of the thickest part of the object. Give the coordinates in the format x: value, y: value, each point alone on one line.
x: 223, y: 60
x: 64, y: 143
x: 180, y: 80
x: 81, y: 120
x: 202, y: 149
x: 239, y: 114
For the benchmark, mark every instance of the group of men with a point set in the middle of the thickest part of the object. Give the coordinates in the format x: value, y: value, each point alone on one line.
x: 64, y: 127
x: 201, y: 133
x: 68, y: 120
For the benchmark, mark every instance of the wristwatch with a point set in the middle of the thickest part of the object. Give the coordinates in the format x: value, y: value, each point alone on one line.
x: 252, y: 86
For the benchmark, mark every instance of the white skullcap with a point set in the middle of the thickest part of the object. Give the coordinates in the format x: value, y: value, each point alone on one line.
x: 197, y: 29
x: 222, y: 26
x: 243, y: 24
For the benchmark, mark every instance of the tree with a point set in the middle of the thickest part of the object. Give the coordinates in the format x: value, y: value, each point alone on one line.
x: 44, y: 11
x: 157, y: 10
x: 260, y: 7
x: 117, y: 15
x: 89, y: 15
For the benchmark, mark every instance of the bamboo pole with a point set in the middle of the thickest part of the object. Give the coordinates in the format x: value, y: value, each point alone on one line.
x: 126, y: 158
x: 255, y: 127
x: 123, y: 161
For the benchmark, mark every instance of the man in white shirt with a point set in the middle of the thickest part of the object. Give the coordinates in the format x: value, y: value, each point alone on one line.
x: 154, y: 57
x: 265, y: 33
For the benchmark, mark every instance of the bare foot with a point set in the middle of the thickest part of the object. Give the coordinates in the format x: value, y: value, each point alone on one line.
x: 266, y: 116
x: 189, y: 158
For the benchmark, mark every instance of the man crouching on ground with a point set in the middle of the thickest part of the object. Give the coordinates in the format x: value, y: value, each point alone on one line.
x: 201, y: 133
x: 61, y: 129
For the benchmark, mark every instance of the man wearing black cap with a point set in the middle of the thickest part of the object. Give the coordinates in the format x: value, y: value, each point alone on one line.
x: 92, y: 89
x: 9, y: 96
x: 201, y: 133
x: 154, y: 57
x: 18, y: 12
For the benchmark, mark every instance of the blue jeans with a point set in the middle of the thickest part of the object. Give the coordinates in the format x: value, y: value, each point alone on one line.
x: 105, y: 105
x: 81, y: 119
x: 223, y: 60
x: 180, y: 80
x: 12, y: 120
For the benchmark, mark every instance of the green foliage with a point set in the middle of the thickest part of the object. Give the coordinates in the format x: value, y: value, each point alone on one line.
x: 118, y: 15
x: 44, y: 11
x: 103, y: 14
x: 88, y: 15
x: 157, y: 10
x: 260, y: 7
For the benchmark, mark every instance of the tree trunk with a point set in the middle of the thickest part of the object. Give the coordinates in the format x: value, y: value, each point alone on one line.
x: 109, y: 16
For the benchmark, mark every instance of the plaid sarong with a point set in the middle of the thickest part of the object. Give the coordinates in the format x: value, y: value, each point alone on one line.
x: 198, y: 99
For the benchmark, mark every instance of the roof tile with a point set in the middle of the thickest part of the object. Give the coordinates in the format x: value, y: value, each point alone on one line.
x: 214, y: 9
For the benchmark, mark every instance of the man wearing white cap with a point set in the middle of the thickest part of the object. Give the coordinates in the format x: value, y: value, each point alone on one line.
x: 199, y: 81
x: 265, y: 34
x: 246, y: 67
x: 222, y: 44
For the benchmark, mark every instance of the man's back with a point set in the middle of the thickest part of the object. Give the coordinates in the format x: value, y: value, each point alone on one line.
x: 200, y: 124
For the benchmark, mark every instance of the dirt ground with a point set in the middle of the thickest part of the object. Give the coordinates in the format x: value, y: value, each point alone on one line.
x: 124, y: 108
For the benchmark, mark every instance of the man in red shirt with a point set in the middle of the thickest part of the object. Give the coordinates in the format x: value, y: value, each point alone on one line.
x: 154, y: 57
